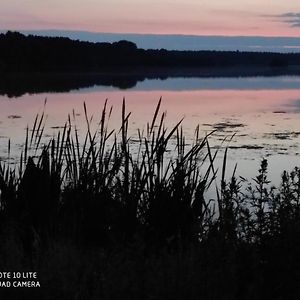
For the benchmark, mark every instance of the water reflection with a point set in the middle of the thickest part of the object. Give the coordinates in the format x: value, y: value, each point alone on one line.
x: 17, y: 85
x: 262, y: 112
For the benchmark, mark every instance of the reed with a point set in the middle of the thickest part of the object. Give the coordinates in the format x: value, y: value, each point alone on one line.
x: 109, y: 195
x: 100, y: 191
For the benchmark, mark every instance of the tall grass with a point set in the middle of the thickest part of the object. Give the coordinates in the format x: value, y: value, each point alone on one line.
x: 100, y: 192
x: 105, y: 194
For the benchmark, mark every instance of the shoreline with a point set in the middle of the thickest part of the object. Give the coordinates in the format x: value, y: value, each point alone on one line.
x: 17, y: 84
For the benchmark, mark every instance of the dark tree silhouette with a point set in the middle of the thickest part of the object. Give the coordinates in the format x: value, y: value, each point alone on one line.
x: 34, y: 53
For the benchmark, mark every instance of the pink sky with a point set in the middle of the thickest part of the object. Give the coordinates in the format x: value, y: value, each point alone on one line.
x: 206, y: 17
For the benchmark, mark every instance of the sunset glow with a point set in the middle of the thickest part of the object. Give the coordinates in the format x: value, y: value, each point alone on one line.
x: 270, y: 18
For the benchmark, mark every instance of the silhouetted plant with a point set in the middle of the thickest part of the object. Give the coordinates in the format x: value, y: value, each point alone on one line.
x: 104, y: 208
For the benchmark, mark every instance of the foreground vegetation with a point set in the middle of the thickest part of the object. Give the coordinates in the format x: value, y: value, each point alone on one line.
x: 113, y: 218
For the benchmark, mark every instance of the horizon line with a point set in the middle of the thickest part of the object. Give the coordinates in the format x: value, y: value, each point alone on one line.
x: 150, y: 34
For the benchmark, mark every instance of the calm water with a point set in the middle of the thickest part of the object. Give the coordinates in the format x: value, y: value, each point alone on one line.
x: 264, y: 114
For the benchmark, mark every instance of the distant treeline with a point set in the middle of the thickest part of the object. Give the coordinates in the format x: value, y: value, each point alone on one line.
x: 20, y: 53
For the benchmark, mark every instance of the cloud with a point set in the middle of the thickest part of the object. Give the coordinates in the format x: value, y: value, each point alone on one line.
x: 290, y: 15
x: 292, y: 18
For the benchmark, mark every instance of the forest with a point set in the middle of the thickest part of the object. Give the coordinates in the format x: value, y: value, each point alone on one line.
x: 20, y: 53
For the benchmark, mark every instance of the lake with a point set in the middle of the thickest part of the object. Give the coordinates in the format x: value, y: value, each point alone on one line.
x: 262, y: 112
